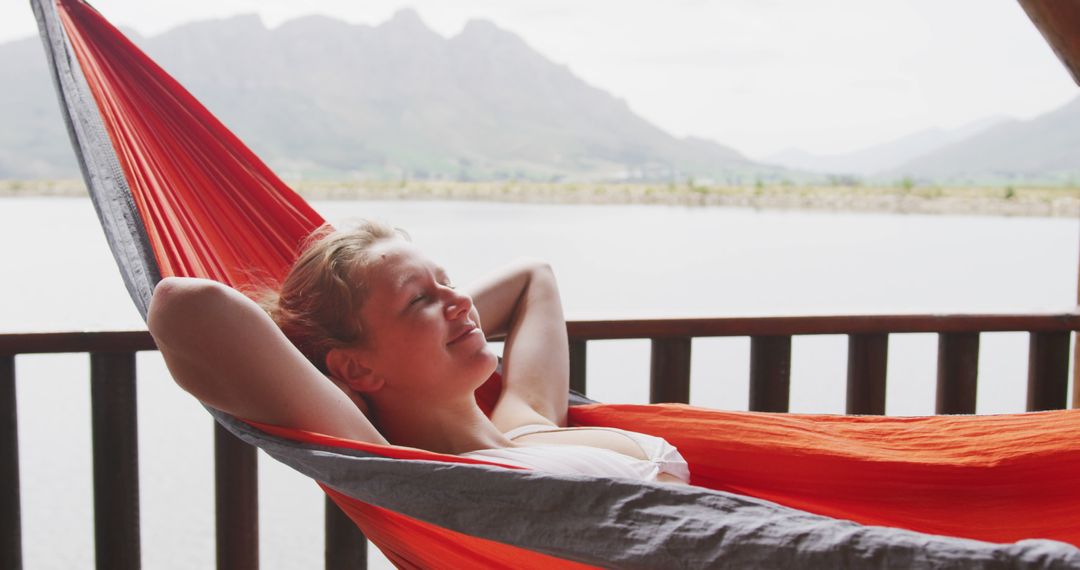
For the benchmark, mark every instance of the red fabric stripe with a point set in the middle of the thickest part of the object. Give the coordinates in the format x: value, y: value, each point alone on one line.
x: 998, y: 478
x: 211, y: 208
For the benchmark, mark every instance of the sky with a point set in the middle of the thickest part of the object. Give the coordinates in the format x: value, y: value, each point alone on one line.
x: 761, y: 76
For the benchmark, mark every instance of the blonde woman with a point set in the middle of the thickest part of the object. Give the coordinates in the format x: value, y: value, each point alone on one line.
x: 367, y: 331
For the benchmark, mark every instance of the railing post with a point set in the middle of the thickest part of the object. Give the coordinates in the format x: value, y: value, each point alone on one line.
x: 868, y: 356
x: 236, y: 486
x: 957, y: 373
x: 346, y: 547
x: 669, y: 377
x: 10, y: 512
x: 770, y: 373
x: 116, y: 460
x: 577, y: 366
x: 1048, y: 371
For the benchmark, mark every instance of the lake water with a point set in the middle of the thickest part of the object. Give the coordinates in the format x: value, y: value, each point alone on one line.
x: 611, y: 261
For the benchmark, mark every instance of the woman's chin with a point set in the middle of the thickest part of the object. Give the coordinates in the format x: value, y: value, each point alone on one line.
x: 493, y: 359
x: 488, y: 361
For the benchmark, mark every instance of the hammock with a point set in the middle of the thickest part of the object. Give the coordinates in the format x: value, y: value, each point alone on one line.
x: 178, y: 194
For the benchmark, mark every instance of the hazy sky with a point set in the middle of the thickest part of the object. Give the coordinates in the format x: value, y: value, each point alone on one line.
x: 759, y: 75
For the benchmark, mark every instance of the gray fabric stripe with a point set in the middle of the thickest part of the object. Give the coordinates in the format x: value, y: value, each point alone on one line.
x: 626, y: 524
x: 575, y: 398
x: 109, y: 190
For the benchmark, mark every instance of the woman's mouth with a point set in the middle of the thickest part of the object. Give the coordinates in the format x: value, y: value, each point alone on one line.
x: 463, y: 334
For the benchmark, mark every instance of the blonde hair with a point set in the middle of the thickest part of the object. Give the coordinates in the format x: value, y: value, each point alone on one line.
x: 317, y: 305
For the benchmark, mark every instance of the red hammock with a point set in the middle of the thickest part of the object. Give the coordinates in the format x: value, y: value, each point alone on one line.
x: 999, y: 478
x: 212, y: 209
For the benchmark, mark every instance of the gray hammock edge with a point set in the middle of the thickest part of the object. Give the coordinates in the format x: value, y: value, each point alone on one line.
x: 622, y: 523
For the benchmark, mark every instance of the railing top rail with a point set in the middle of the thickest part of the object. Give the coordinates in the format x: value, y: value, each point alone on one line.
x: 823, y: 324
x: 78, y: 341
x: 127, y: 341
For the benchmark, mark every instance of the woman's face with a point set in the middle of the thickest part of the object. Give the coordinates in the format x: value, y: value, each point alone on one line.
x: 414, y: 325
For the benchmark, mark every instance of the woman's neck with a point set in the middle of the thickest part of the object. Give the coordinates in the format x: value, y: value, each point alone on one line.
x: 452, y: 427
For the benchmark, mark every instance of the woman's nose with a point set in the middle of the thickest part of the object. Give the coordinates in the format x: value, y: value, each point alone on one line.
x: 459, y: 304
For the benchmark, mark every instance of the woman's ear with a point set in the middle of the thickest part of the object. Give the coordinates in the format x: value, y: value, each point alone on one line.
x: 345, y: 366
x: 357, y: 400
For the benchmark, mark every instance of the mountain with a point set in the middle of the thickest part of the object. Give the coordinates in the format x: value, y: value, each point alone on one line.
x: 1042, y: 150
x: 33, y: 140
x: 881, y: 157
x: 317, y: 97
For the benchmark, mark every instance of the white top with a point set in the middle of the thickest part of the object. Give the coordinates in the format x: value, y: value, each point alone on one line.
x: 586, y: 460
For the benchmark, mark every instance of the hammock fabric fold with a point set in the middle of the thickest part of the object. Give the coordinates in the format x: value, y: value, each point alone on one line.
x: 178, y: 194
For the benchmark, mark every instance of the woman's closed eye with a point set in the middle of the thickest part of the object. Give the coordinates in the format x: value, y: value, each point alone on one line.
x: 422, y: 296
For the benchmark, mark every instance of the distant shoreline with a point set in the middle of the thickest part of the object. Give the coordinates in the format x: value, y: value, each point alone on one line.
x: 1008, y: 201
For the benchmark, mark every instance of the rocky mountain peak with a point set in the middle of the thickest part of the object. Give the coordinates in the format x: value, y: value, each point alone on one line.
x: 406, y: 20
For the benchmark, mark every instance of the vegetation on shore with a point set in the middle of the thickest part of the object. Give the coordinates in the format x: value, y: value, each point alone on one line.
x: 903, y: 198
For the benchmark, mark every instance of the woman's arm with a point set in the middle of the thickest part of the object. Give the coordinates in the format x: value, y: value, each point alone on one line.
x: 224, y: 350
x: 522, y: 301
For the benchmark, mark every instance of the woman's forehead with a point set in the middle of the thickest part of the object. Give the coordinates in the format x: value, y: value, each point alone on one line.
x: 395, y: 262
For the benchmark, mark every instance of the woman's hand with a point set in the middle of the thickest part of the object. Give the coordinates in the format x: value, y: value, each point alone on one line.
x: 522, y: 301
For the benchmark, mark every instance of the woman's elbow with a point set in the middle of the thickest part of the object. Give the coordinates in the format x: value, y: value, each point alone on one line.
x: 174, y: 305
x: 534, y: 266
x: 541, y: 274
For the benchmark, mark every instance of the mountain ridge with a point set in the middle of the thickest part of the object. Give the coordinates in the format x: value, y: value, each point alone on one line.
x: 874, y: 159
x: 1045, y: 148
x: 318, y: 97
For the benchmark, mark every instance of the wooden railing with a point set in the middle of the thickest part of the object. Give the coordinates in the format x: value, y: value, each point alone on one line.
x: 868, y: 343
x: 115, y: 450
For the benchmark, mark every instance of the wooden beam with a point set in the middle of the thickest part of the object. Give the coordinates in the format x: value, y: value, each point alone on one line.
x: 868, y: 356
x: 957, y: 373
x: 105, y: 341
x: 133, y: 341
x: 770, y: 373
x: 1059, y: 23
x: 669, y: 378
x: 1048, y: 371
x: 10, y: 511
x: 820, y: 324
x: 236, y: 494
x: 346, y: 547
x: 577, y: 365
x: 116, y: 460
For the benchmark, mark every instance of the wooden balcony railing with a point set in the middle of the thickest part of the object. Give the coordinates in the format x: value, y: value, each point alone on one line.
x: 115, y: 450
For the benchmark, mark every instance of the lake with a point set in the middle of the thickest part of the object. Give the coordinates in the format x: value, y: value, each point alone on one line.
x: 612, y: 261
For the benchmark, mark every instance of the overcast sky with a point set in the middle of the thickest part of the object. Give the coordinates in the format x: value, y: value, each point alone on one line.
x: 826, y: 76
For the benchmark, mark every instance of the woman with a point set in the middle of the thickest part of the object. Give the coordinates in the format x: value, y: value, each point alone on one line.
x: 368, y: 311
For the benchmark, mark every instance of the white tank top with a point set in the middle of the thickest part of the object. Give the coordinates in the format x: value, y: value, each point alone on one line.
x: 586, y: 460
